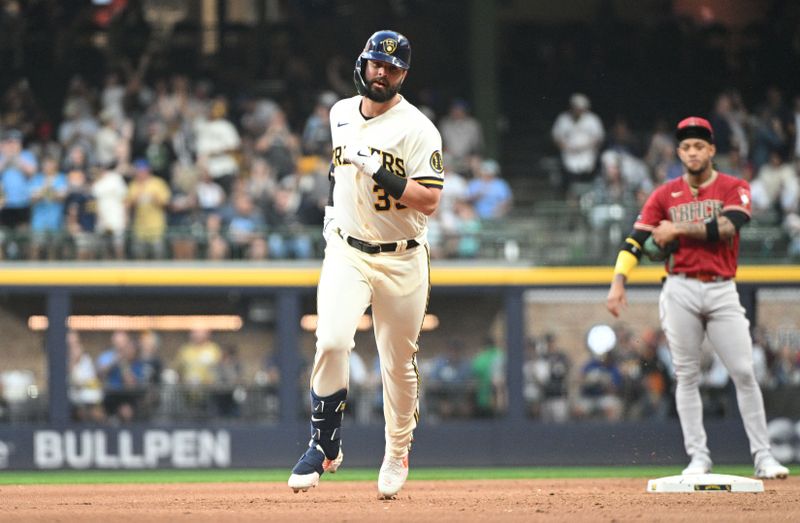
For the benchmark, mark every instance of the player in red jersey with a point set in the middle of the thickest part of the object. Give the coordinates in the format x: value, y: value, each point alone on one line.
x: 699, y: 215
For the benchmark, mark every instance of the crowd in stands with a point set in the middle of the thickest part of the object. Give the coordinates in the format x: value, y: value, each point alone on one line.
x: 129, y: 380
x: 175, y: 169
x: 150, y: 171
x: 635, y: 380
x: 610, y: 170
x: 132, y: 379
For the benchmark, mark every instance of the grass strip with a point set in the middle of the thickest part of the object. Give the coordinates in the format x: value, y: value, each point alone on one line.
x: 65, y: 477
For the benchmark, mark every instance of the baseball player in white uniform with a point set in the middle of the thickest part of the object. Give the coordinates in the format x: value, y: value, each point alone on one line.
x: 386, y: 178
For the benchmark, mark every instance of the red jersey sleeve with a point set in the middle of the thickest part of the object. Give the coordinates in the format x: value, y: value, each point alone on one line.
x: 653, y: 211
x: 738, y: 198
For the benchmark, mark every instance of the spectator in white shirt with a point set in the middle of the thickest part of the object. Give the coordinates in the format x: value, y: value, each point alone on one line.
x: 217, y: 144
x: 462, y: 136
x: 110, y: 190
x: 578, y: 133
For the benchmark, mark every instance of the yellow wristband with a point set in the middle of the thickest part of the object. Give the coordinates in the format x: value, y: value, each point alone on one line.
x: 626, y: 261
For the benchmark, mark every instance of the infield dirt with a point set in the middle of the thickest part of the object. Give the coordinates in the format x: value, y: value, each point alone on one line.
x: 573, y: 500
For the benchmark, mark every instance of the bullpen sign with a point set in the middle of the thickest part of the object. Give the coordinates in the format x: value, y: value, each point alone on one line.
x: 84, y: 449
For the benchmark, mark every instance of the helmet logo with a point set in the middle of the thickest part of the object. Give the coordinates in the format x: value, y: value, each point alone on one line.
x: 389, y: 45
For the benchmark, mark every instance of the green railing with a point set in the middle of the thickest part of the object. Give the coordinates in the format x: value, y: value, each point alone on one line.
x: 545, y: 234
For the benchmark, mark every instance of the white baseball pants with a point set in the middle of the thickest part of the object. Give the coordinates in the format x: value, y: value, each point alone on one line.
x: 397, y: 286
x: 690, y: 310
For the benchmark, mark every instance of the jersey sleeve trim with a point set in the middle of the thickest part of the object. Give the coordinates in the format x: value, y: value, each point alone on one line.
x: 430, y: 181
x: 738, y: 208
x: 644, y: 227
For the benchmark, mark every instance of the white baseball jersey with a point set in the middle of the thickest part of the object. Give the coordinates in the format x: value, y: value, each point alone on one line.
x: 411, y: 147
x: 396, y: 283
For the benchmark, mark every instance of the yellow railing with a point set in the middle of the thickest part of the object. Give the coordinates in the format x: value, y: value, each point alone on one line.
x: 255, y: 275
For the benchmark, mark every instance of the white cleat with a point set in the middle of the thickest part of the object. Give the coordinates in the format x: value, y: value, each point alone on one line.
x: 301, y: 482
x: 767, y: 467
x: 392, y: 477
x: 700, y: 464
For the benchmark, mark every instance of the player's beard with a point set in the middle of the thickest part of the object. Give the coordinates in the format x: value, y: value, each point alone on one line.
x: 382, y: 96
x: 697, y: 172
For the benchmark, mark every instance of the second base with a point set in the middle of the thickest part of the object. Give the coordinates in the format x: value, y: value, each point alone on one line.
x: 705, y: 483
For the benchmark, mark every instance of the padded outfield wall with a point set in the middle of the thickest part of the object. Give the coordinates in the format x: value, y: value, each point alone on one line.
x: 511, y: 303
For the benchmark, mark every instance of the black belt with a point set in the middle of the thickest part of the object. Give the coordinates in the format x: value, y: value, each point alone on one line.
x: 374, y: 248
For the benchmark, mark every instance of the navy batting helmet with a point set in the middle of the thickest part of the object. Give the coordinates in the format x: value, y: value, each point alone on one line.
x: 384, y: 46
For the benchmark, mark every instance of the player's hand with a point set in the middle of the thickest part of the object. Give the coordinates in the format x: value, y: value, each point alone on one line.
x: 665, y: 232
x: 365, y: 161
x: 616, y: 299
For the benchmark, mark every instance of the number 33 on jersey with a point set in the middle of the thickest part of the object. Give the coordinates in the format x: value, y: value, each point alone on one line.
x: 374, y: 215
